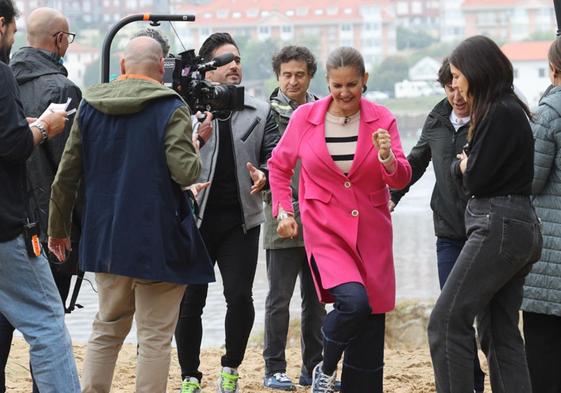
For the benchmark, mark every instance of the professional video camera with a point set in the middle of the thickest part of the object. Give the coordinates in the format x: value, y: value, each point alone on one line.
x: 186, y: 75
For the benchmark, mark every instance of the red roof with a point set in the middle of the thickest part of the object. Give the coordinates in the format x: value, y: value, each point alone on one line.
x: 526, y: 50
x: 253, y: 12
x: 504, y: 3
x: 488, y: 3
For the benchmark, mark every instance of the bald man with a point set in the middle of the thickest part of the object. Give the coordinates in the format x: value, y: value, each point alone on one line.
x: 131, y: 147
x: 42, y: 79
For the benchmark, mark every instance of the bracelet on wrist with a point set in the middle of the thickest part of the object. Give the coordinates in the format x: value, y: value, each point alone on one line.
x: 42, y: 130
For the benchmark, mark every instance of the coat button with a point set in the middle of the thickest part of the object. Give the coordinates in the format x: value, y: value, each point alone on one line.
x: 347, y: 184
x: 354, y: 213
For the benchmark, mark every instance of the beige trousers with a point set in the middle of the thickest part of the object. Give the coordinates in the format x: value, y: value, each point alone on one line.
x: 155, y: 306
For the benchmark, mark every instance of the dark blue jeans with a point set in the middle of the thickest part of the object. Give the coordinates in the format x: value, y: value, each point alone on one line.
x: 283, y: 267
x: 447, y: 252
x: 486, y: 284
x: 351, y: 329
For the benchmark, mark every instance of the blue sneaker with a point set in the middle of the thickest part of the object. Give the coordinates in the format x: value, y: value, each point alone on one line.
x: 279, y: 381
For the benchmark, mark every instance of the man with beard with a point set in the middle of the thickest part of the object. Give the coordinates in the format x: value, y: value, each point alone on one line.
x: 29, y: 299
x: 235, y: 148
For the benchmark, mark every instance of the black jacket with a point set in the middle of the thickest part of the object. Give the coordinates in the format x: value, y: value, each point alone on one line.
x: 440, y: 143
x: 16, y: 144
x: 43, y: 80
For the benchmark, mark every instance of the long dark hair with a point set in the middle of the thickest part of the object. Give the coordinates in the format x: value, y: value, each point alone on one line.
x: 489, y: 75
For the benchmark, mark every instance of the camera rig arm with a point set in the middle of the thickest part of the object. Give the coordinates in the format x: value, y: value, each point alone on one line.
x: 154, y: 20
x: 557, y: 6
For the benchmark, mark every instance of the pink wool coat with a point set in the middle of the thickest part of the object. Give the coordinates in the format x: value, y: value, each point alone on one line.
x: 347, y: 224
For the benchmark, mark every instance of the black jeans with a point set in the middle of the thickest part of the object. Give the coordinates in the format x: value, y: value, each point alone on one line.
x: 6, y: 333
x: 486, y: 283
x: 351, y: 329
x: 542, y: 334
x: 236, y: 255
x: 447, y: 252
x: 283, y: 267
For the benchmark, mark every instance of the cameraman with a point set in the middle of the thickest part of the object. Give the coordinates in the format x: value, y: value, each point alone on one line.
x: 29, y: 298
x: 235, y: 148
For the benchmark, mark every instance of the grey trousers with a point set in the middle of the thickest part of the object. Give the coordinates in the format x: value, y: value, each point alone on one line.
x: 485, y: 284
x: 283, y: 267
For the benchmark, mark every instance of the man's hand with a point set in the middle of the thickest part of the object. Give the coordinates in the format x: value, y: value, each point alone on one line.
x: 258, y: 177
x: 198, y: 187
x: 55, y: 122
x: 59, y: 246
x: 205, y: 128
x: 287, y: 228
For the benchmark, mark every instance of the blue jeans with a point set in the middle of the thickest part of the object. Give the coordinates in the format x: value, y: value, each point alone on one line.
x: 351, y: 329
x: 447, y: 252
x: 30, y: 301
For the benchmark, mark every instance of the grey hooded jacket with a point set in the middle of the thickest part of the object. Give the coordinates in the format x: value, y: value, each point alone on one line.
x: 255, y: 134
x: 542, y: 289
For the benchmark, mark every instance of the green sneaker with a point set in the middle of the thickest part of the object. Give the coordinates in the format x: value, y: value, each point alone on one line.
x: 190, y: 385
x: 228, y: 382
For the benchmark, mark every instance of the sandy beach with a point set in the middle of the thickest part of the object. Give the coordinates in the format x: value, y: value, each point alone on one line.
x: 408, y: 366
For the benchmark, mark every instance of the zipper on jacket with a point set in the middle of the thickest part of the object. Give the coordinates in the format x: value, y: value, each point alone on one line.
x: 251, y: 128
x: 236, y: 172
x: 206, y: 192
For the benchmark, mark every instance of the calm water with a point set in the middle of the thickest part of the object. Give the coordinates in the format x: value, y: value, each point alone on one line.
x: 415, y: 261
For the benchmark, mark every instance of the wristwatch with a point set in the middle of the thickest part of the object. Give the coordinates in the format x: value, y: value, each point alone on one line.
x: 282, y: 215
x: 42, y: 130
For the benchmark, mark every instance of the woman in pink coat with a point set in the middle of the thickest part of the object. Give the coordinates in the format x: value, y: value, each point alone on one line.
x: 350, y: 154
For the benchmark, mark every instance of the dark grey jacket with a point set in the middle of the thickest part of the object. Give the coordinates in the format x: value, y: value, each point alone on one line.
x: 283, y: 108
x: 440, y: 143
x: 542, y: 289
x: 43, y: 80
x: 255, y: 134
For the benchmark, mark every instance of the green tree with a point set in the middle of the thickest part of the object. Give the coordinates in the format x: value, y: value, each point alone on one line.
x: 385, y: 75
x: 413, y: 39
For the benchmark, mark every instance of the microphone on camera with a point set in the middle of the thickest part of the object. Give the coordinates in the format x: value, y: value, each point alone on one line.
x: 216, y: 62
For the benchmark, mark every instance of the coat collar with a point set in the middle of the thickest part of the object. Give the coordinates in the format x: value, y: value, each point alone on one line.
x: 368, y: 112
x: 368, y: 117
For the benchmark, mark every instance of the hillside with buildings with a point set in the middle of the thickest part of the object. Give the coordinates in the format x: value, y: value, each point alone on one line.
x: 380, y: 29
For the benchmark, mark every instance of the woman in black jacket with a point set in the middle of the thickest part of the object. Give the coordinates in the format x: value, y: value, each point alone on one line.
x: 504, y: 238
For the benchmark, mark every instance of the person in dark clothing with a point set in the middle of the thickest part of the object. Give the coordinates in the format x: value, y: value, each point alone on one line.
x: 294, y: 67
x: 234, y: 150
x: 29, y: 299
x: 444, y: 135
x: 42, y: 80
x: 504, y: 239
